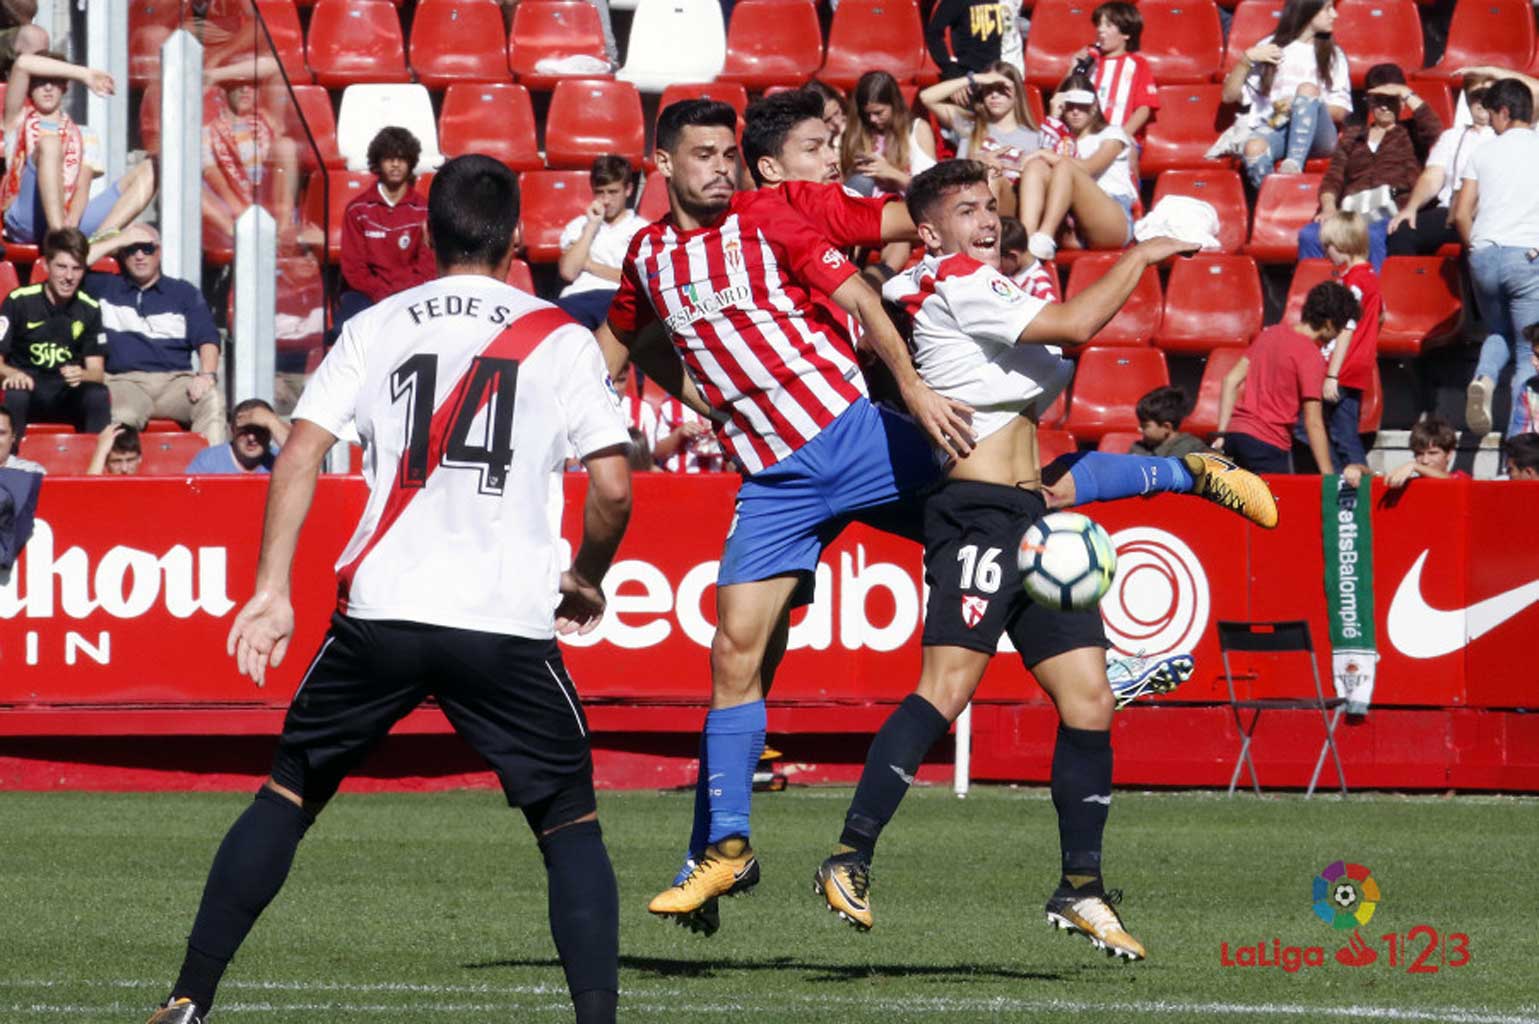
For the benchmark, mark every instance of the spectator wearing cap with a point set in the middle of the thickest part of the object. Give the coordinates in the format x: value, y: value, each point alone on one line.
x: 257, y: 434
x: 1497, y: 214
x: 118, y: 452
x: 1378, y: 154
x: 1423, y: 225
x: 593, y: 246
x: 384, y: 228
x: 162, y: 345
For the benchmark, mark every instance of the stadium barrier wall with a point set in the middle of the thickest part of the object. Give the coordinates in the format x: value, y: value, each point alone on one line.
x: 113, y: 625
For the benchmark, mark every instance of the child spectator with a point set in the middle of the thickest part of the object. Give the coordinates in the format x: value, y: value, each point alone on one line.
x: 1031, y: 275
x: 1160, y: 413
x: 1527, y: 419
x: 988, y: 113
x: 384, y: 228
x: 118, y: 452
x: 1095, y: 183
x: 1433, y: 443
x: 257, y: 434
x: 1282, y: 374
x: 835, y: 109
x: 593, y: 246
x: 1522, y: 456
x: 884, y: 144
x: 1123, y: 82
x: 1350, y: 358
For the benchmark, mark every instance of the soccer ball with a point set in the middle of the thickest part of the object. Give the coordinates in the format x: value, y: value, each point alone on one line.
x: 1345, y: 896
x: 1067, y: 561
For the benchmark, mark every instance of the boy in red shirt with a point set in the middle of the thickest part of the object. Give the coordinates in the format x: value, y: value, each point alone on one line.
x: 1350, y: 358
x: 1282, y: 373
x: 384, y: 241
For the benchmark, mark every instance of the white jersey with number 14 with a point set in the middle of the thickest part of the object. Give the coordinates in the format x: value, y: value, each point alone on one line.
x: 468, y: 395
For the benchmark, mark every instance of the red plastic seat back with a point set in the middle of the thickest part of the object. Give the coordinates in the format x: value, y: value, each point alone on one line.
x: 353, y: 41
x: 288, y: 38
x: 552, y: 29
x: 520, y: 277
x: 1059, y: 29
x: 168, y: 454
x: 1285, y: 204
x: 1220, y: 188
x: 1253, y: 20
x: 1189, y: 121
x: 1210, y: 301
x: 494, y: 119
x: 1139, y: 318
x: 1499, y: 32
x: 868, y: 35
x: 1053, y: 443
x: 773, y: 42
x: 1306, y: 275
x: 1379, y: 32
x: 549, y: 200
x: 1203, y: 419
x: 1183, y: 40
x: 1107, y: 386
x: 1423, y: 304
x: 590, y: 118
x: 330, y: 199
x: 456, y: 41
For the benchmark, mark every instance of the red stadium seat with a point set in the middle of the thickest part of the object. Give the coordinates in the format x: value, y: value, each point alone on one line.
x: 1379, y: 32
x: 326, y: 196
x: 1053, y: 443
x: 1371, y: 417
x: 1498, y: 32
x: 1057, y: 412
x: 1189, y: 121
x: 148, y: 26
x: 497, y: 120
x: 869, y: 34
x: 1183, y: 40
x: 1222, y: 189
x: 520, y: 277
x: 288, y: 38
x: 592, y: 117
x: 20, y: 252
x: 313, y: 105
x: 550, y: 200
x: 1118, y: 442
x: 1108, y: 384
x: 458, y: 41
x: 1253, y: 20
x: 1285, y: 204
x: 9, y: 282
x: 1202, y: 421
x: 723, y: 92
x: 1306, y: 275
x: 1139, y: 317
x: 1422, y: 304
x: 553, y: 29
x: 1210, y: 301
x: 61, y: 454
x: 353, y: 41
x: 168, y: 454
x: 653, y: 205
x: 1059, y: 29
x: 1438, y: 96
x: 773, y: 42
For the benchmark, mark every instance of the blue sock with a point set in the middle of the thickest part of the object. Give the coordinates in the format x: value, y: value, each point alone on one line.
x: 699, y: 833
x: 734, y: 741
x: 1102, y: 476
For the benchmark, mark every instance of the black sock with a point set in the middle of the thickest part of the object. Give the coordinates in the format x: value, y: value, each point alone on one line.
x: 1082, y: 776
x: 584, y: 917
x: 904, y: 739
x: 247, y: 873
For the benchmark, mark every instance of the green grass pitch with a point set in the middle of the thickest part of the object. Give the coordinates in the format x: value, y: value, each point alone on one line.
x: 432, y: 908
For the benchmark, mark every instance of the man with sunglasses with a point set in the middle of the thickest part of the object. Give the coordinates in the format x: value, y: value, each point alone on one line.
x: 158, y: 330
x: 257, y: 432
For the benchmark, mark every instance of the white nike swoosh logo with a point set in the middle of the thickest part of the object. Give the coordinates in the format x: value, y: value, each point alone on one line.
x: 1420, y: 631
x: 1093, y: 799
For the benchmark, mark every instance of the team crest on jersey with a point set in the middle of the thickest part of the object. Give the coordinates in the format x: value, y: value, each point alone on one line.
x: 734, y: 254
x: 403, y: 241
x: 973, y: 609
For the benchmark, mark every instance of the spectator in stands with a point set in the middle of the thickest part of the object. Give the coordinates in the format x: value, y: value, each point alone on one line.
x: 835, y: 109
x: 1497, y: 214
x: 21, y: 480
x: 246, y: 160
x: 1522, y: 456
x: 1031, y: 275
x: 988, y: 114
x: 17, y: 33
x: 52, y: 345
x: 1281, y: 376
x: 1423, y: 225
x: 157, y: 327
x: 1433, y: 443
x: 257, y: 434
x: 982, y: 33
x: 1528, y: 401
x: 884, y: 145
x: 1375, y: 163
x: 47, y: 182
x: 1094, y: 183
x: 1296, y: 88
x: 1350, y: 358
x: 384, y: 228
x: 118, y: 452
x: 1160, y: 413
x: 593, y: 246
x: 8, y: 457
x: 1124, y: 83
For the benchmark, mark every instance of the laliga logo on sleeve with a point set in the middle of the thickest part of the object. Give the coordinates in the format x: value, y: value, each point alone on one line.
x: 1159, y: 601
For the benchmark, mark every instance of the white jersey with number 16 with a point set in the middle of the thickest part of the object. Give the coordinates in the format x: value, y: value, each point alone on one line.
x: 468, y: 395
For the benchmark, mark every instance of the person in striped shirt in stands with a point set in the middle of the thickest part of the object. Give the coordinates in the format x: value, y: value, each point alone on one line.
x: 1124, y: 84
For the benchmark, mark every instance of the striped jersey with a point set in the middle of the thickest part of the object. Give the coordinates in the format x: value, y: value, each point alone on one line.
x: 1039, y: 280
x: 656, y: 414
x: 468, y: 395
x: 739, y: 300
x: 1122, y: 85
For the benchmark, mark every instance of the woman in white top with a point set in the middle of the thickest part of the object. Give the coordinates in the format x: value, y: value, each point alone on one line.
x: 1286, y: 79
x: 1094, y: 181
x: 994, y: 126
x: 1422, y: 226
x: 883, y: 143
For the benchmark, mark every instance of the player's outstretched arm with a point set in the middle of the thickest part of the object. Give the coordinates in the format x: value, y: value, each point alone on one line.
x: 605, y: 516
x: 1075, y: 322
x: 654, y: 354
x: 898, y: 224
x: 260, y: 635
x: 949, y: 423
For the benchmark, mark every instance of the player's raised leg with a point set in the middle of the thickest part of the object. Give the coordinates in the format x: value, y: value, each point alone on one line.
x: 1084, y: 477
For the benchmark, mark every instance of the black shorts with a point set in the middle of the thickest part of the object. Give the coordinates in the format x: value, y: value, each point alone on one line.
x: 508, y: 696
x: 972, y: 532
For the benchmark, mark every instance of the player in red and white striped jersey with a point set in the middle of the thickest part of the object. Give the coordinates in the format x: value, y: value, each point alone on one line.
x: 468, y: 395
x: 734, y: 278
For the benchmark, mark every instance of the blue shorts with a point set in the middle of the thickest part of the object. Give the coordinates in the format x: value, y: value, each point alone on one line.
x: 869, y: 465
x: 25, y: 217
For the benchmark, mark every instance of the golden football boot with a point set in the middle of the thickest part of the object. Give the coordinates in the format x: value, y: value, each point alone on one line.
x: 1094, y: 918
x: 1239, y: 490
x: 725, y: 869
x: 844, y: 882
x: 178, y: 1011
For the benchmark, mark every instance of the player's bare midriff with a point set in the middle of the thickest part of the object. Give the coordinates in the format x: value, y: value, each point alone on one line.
x: 1008, y: 456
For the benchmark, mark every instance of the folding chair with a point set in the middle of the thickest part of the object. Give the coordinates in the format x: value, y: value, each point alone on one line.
x: 1277, y: 638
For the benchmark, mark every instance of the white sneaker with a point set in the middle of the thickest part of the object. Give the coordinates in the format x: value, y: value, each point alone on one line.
x: 1042, y: 246
x: 1477, y: 405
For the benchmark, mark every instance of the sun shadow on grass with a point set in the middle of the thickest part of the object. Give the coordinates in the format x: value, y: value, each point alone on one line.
x: 665, y: 967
